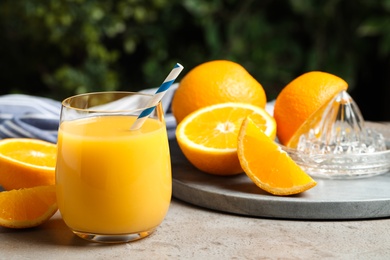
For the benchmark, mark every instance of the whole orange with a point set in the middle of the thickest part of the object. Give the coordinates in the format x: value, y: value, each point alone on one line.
x: 301, y: 99
x: 215, y: 82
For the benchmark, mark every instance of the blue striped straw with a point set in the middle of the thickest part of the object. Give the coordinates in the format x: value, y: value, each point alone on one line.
x: 157, y: 96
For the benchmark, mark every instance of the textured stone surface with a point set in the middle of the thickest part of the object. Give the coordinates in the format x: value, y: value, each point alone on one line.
x: 189, y: 232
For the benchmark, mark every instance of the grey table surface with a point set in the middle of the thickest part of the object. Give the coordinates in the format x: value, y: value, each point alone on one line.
x: 189, y: 232
x: 192, y: 232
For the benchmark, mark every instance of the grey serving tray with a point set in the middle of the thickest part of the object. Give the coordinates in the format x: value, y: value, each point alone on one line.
x: 329, y: 200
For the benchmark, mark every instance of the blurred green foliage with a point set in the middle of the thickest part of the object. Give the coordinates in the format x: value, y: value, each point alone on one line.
x: 58, y: 48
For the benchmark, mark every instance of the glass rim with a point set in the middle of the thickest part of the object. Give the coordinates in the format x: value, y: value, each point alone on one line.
x: 67, y: 104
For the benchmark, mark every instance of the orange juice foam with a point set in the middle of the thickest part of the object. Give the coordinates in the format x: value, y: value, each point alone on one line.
x: 111, y: 180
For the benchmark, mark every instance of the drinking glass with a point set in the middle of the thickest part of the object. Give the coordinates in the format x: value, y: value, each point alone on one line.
x: 113, y: 184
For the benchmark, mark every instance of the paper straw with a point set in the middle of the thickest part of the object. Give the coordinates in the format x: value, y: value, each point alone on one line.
x: 157, y: 96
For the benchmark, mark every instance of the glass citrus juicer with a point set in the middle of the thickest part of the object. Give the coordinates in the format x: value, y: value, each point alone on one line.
x: 337, y: 144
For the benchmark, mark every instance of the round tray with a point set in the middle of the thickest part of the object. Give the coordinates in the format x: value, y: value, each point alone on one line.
x: 329, y: 199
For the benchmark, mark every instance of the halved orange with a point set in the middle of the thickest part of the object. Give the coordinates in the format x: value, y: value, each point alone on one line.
x: 267, y: 165
x: 25, y: 208
x: 301, y: 101
x: 26, y: 163
x: 208, y: 136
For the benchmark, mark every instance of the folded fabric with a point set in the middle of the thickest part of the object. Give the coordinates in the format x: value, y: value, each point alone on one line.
x: 27, y: 116
x: 37, y: 117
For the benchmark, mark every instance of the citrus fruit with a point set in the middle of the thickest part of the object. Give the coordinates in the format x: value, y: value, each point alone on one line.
x: 208, y: 136
x: 267, y: 165
x: 215, y: 82
x: 301, y: 99
x: 25, y: 208
x: 26, y: 163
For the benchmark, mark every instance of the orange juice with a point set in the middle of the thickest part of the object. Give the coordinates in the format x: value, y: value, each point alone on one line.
x: 111, y: 180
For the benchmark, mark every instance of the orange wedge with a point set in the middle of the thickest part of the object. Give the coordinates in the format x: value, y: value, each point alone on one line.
x: 26, y: 163
x: 208, y: 136
x: 27, y: 208
x: 267, y: 165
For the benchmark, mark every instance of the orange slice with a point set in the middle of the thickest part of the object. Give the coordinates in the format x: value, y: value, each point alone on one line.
x: 27, y: 208
x: 26, y: 163
x: 208, y: 136
x: 267, y: 165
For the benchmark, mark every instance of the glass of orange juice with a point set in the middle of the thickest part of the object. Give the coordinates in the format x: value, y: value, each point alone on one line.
x: 113, y: 184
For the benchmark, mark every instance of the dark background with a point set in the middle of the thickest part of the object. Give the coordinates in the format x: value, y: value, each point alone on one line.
x: 57, y: 48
